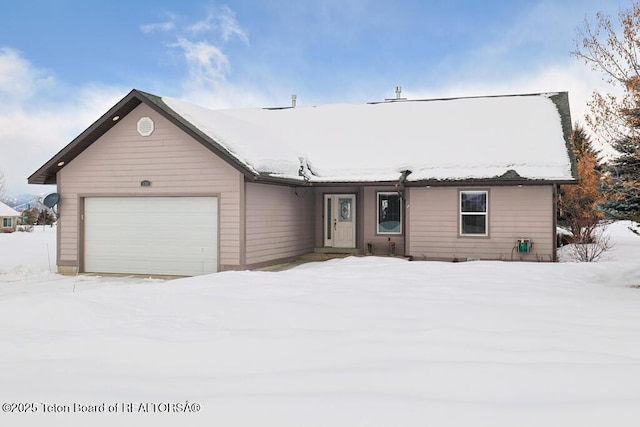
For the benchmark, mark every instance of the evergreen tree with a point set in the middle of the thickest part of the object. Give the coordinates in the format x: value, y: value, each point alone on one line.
x: 582, y: 145
x: 623, y: 183
x: 46, y: 217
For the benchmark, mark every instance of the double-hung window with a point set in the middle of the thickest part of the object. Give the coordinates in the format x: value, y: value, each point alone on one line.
x: 7, y: 222
x: 389, y: 213
x: 474, y: 213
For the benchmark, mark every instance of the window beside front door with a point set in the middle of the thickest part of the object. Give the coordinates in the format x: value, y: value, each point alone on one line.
x: 389, y: 213
x: 474, y: 213
x: 340, y: 220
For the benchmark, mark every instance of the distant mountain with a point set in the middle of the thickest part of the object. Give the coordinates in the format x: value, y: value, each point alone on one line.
x: 26, y: 201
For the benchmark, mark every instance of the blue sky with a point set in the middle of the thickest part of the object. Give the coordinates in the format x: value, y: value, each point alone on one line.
x: 64, y: 63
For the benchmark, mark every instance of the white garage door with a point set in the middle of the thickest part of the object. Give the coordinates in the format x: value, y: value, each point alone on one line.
x: 151, y: 235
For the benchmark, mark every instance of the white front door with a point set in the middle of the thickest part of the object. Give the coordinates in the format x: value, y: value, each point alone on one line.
x: 340, y: 220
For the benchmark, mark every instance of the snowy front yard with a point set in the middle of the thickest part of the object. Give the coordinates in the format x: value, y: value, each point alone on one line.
x: 354, y: 342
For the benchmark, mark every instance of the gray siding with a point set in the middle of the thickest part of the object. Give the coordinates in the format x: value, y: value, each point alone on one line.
x: 175, y: 164
x: 514, y: 212
x: 279, y: 222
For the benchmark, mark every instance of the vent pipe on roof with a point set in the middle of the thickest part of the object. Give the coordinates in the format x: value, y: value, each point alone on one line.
x: 398, y: 95
x: 293, y: 101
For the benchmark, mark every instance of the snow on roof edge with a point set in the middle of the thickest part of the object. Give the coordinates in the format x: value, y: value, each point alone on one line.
x: 6, y: 210
x: 239, y: 131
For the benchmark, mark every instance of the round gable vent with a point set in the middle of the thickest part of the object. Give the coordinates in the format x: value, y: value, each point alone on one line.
x: 145, y: 126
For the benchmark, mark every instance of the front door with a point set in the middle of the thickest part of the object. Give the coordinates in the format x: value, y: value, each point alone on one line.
x: 340, y: 220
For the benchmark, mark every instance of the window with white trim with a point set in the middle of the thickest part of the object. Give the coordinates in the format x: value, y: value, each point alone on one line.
x: 474, y: 213
x: 389, y: 213
x: 7, y: 222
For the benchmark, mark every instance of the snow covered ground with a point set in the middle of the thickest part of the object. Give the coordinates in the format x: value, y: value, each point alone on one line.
x: 355, y: 342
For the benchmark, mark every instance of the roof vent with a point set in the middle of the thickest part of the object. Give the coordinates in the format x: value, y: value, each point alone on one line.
x: 293, y: 101
x: 398, y: 95
x: 145, y: 126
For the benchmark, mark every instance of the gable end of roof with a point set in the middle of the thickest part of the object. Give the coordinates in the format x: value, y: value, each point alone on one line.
x: 47, y: 173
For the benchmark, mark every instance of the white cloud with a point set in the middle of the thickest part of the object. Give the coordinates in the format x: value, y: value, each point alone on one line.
x: 222, y: 22
x: 229, y: 25
x: 39, y: 116
x: 202, y: 45
x: 159, y: 26
x: 168, y: 25
x: 206, y: 61
x: 18, y: 78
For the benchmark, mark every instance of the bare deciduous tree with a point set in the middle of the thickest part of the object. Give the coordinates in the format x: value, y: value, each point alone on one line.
x: 3, y: 191
x: 613, y: 49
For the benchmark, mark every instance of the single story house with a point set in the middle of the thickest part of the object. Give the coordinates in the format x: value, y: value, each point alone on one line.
x: 8, y: 219
x: 161, y: 186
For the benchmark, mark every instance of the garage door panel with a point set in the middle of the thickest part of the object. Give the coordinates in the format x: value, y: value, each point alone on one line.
x: 165, y: 267
x: 166, y: 254
x: 151, y: 235
x: 140, y: 239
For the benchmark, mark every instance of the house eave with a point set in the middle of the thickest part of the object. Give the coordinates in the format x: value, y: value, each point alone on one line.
x: 267, y: 179
x: 47, y: 173
x: 488, y: 182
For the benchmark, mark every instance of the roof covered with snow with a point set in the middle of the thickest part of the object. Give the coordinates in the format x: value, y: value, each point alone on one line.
x: 6, y: 211
x: 450, y: 139
x: 496, y: 138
